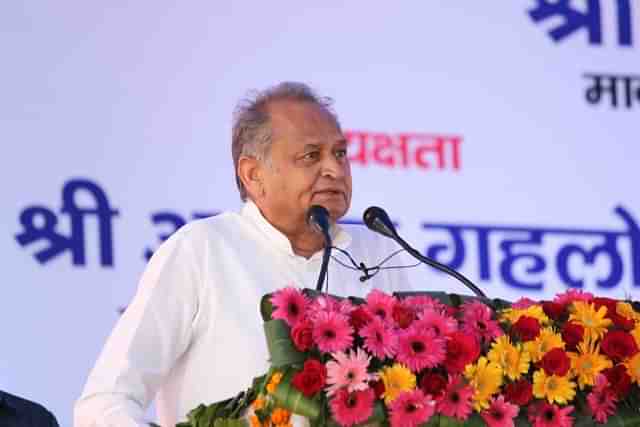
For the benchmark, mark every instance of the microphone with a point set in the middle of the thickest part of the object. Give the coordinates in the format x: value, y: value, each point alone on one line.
x: 376, y: 219
x: 318, y: 219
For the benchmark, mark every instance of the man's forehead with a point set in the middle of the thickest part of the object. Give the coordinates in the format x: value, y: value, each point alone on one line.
x: 303, y: 118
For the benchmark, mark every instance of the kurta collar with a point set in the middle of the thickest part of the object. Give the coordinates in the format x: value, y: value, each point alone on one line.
x: 340, y: 237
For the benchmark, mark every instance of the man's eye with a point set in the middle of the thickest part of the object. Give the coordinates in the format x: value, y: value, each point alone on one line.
x: 341, y: 154
x: 313, y: 155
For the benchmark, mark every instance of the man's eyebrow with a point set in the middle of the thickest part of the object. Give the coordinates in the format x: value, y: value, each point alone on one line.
x: 308, y: 147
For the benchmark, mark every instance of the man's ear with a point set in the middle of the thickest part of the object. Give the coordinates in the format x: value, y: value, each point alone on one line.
x: 250, y: 173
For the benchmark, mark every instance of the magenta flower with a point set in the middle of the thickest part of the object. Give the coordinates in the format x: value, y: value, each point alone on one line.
x: 349, y: 409
x: 478, y: 321
x: 442, y: 324
x: 411, y: 408
x: 500, y: 413
x: 572, y: 295
x: 423, y: 302
x: 420, y: 348
x: 547, y: 415
x: 602, y: 400
x: 348, y: 370
x: 379, y: 339
x: 332, y: 332
x: 457, y: 399
x: 290, y: 305
x: 380, y: 305
x: 523, y: 303
x: 327, y: 303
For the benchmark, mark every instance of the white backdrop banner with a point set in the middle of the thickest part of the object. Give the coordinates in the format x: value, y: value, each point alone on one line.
x: 502, y: 138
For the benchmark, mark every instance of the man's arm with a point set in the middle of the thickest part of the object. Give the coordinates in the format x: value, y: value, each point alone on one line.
x: 152, y: 333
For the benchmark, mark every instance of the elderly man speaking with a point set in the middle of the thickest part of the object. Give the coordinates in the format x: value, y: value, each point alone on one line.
x: 193, y: 333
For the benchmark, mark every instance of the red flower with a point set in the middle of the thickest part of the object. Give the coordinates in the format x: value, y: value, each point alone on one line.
x: 619, y: 345
x: 403, y: 315
x: 462, y: 349
x: 572, y: 334
x: 619, y: 380
x: 607, y: 302
x: 612, y: 313
x: 359, y: 318
x: 556, y: 361
x: 527, y: 328
x: 302, y: 335
x: 433, y: 384
x: 311, y: 379
x: 378, y: 388
x: 622, y: 322
x: 519, y: 393
x: 553, y: 309
x: 450, y: 311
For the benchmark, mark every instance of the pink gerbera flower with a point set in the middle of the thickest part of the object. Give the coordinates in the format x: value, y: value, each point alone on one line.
x: 572, y: 295
x: 353, y: 408
x: 423, y: 302
x: 456, y: 401
x: 411, y: 408
x: 332, y: 332
x: 478, y: 321
x: 290, y: 305
x: 348, y: 370
x: 379, y: 338
x: 523, y: 303
x: 547, y: 415
x: 420, y: 348
x: 602, y: 400
x: 500, y: 413
x: 380, y: 304
x: 441, y: 324
x: 327, y: 303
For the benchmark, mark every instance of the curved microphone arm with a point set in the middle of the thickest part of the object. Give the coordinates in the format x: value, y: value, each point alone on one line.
x: 376, y: 219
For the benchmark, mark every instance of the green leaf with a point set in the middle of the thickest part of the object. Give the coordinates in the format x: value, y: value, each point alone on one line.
x: 293, y: 400
x: 266, y: 308
x: 282, y: 352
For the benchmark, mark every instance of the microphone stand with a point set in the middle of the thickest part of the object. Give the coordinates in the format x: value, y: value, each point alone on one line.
x: 318, y: 218
x: 326, y: 254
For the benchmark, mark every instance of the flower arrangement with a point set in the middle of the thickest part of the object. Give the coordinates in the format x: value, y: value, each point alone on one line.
x: 435, y: 359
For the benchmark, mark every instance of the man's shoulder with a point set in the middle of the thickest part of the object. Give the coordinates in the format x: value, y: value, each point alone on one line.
x: 210, y: 226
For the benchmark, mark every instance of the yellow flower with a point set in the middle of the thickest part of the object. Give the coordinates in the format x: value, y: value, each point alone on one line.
x: 635, y: 333
x: 633, y: 368
x: 274, y: 381
x: 547, y: 340
x: 625, y: 309
x: 588, y: 363
x: 513, y: 314
x: 486, y: 378
x: 511, y: 358
x: 594, y: 322
x: 554, y: 388
x: 396, y: 379
x: 280, y: 416
x: 259, y: 403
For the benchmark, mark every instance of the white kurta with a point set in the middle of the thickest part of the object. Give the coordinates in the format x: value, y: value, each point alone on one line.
x: 193, y: 332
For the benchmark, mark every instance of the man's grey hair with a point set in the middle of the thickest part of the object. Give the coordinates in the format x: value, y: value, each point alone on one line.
x: 252, y: 133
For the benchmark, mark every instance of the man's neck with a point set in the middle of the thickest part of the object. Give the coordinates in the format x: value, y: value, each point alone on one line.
x: 306, y: 243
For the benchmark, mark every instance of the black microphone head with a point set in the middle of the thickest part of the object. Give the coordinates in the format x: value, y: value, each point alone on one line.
x: 376, y: 219
x: 318, y: 218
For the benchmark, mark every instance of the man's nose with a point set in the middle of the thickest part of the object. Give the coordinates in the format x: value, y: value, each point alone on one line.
x: 334, y: 167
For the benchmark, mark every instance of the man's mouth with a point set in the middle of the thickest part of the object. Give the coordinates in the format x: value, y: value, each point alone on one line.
x: 330, y: 193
